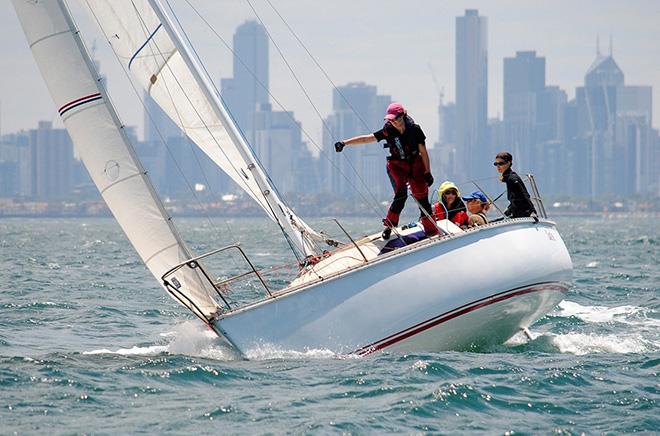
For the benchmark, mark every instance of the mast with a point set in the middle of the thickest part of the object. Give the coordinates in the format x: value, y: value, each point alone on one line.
x: 299, y: 233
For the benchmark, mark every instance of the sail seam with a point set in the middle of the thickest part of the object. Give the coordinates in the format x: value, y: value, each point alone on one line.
x: 116, y: 182
x: 48, y: 37
x: 144, y: 45
x: 81, y: 111
x: 147, y: 260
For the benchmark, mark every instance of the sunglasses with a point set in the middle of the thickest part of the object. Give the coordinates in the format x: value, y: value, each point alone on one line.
x: 499, y: 163
x: 398, y: 117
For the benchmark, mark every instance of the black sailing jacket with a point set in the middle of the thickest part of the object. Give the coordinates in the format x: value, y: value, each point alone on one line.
x: 520, y: 204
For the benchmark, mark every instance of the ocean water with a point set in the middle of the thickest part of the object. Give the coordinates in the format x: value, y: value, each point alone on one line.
x: 89, y: 343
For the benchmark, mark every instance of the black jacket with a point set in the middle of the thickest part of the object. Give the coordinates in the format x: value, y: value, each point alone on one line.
x: 520, y: 204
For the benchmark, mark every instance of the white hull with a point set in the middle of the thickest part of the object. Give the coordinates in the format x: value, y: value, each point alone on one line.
x: 476, y: 288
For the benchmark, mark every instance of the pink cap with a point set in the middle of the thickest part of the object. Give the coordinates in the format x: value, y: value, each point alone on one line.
x: 393, y: 111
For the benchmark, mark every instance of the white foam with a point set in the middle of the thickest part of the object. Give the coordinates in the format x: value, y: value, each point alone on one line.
x: 268, y: 352
x: 581, y: 343
x: 189, y: 338
x: 134, y: 351
x: 593, y: 264
x: 601, y: 314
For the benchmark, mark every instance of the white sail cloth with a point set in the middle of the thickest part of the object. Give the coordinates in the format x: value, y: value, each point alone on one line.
x: 104, y: 147
x: 142, y: 43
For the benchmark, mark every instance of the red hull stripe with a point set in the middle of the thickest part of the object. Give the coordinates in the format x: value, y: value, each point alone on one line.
x: 454, y: 313
x: 77, y: 102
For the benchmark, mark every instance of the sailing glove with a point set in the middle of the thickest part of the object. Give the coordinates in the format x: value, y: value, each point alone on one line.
x: 339, y: 146
x: 428, y: 178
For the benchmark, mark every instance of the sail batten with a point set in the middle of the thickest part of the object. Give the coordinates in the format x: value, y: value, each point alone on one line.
x: 104, y: 148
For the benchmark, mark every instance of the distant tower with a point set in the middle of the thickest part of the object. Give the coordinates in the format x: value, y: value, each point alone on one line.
x: 472, y: 95
x: 597, y: 110
x: 524, y: 83
x: 351, y: 104
x: 247, y: 91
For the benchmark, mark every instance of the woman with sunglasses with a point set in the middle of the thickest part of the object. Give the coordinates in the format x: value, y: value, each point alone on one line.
x: 520, y: 205
x: 407, y: 165
x: 450, y: 205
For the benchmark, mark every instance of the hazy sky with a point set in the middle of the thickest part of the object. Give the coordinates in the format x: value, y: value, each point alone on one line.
x: 384, y: 43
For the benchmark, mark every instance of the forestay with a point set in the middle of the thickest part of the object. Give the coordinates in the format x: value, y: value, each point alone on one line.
x: 104, y: 148
x: 148, y: 45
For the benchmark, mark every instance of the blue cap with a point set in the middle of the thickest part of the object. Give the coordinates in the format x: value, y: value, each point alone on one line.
x: 476, y: 195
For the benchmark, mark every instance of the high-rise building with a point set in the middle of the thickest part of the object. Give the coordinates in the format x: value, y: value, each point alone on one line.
x: 52, y: 162
x: 356, y: 109
x: 524, y: 83
x: 158, y: 127
x: 246, y: 92
x: 275, y: 136
x: 614, y: 131
x: 279, y: 146
x: 443, y: 153
x: 473, y: 151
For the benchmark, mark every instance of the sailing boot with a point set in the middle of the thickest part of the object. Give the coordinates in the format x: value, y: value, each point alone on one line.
x: 388, y: 229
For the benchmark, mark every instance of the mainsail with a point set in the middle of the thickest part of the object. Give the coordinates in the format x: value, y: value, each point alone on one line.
x: 150, y: 47
x: 105, y: 150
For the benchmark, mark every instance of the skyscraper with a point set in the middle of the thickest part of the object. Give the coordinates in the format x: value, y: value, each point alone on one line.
x: 356, y: 109
x: 524, y: 84
x: 52, y: 162
x: 247, y: 90
x: 473, y: 152
x: 614, y: 131
x: 158, y: 127
x: 275, y: 136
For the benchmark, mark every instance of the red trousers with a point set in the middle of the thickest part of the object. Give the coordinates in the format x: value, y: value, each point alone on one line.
x: 404, y: 174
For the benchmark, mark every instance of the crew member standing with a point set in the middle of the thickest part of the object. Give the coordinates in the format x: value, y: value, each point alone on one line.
x: 407, y: 165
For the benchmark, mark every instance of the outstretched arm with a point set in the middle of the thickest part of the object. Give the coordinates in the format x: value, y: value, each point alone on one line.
x: 362, y: 139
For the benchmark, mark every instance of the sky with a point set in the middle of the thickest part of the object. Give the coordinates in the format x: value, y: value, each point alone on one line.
x: 395, y: 45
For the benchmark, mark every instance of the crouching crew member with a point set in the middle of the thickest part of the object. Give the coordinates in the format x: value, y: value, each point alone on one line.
x: 450, y: 205
x: 477, y: 204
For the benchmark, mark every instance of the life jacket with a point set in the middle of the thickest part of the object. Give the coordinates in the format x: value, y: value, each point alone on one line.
x: 457, y: 215
x: 402, y: 145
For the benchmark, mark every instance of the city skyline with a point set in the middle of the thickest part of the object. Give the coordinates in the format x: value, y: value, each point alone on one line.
x: 358, y: 54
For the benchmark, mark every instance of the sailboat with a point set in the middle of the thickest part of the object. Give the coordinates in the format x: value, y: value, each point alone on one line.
x: 457, y: 290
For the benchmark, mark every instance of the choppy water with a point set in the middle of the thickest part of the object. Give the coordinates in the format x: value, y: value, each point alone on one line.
x: 90, y: 344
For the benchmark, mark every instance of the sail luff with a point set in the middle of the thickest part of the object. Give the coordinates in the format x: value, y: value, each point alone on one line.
x: 104, y: 147
x: 283, y: 216
x: 143, y: 35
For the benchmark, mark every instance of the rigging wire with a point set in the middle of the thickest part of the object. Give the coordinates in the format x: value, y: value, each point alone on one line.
x: 311, y: 102
x: 188, y: 184
x: 324, y: 72
x: 276, y: 219
x: 155, y: 125
x: 311, y: 56
x: 281, y: 106
x: 237, y: 171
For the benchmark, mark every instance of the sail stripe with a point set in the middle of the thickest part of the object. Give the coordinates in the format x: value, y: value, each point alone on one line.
x: 78, y: 102
x: 144, y: 45
x: 470, y: 307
